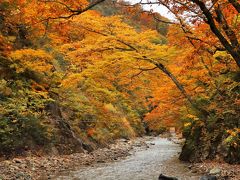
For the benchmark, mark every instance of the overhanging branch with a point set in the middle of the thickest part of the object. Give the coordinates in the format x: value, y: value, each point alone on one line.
x: 74, y: 12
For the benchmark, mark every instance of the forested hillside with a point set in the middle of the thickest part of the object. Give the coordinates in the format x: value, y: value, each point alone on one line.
x: 76, y: 75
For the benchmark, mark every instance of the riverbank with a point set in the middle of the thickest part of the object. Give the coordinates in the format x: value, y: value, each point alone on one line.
x: 222, y: 170
x: 140, y: 158
x: 48, y: 166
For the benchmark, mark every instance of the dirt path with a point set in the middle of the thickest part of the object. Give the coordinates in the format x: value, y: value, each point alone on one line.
x: 146, y: 163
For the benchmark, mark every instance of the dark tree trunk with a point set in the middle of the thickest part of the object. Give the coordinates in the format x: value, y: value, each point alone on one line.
x: 234, y: 51
x: 203, y: 112
x: 175, y: 81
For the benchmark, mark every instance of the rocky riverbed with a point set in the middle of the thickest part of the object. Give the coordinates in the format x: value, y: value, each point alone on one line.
x: 159, y: 155
x: 48, y: 166
x: 141, y: 158
x: 221, y: 170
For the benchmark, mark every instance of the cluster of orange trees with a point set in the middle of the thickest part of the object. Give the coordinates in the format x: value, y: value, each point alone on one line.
x: 72, y: 76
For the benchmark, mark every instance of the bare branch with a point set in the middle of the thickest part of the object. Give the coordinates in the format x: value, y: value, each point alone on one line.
x: 161, y: 20
x: 58, y: 2
x: 103, y: 34
x: 74, y: 12
x: 143, y: 70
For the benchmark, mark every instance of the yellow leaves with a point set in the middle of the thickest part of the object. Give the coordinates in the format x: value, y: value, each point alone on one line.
x: 127, y: 125
x: 234, y: 137
x: 14, y: 121
x: 112, y: 27
x: 193, y: 117
x: 33, y: 60
x: 71, y: 80
x: 233, y: 132
x: 6, y: 91
x: 109, y: 107
x: 187, y: 124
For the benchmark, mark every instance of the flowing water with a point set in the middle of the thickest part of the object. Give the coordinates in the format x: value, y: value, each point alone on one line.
x: 143, y: 164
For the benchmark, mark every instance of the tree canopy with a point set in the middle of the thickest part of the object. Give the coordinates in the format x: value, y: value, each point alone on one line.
x: 76, y: 75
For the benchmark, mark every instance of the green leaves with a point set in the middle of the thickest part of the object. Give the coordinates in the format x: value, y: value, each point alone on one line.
x: 19, y: 132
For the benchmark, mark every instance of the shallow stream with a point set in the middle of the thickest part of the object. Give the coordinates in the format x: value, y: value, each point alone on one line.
x: 161, y: 156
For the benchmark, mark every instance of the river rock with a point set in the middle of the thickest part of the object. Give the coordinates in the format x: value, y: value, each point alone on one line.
x: 16, y: 160
x: 208, y: 177
x: 215, y: 171
x: 123, y: 140
x: 163, y: 177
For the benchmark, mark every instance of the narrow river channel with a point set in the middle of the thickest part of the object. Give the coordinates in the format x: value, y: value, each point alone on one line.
x: 143, y: 164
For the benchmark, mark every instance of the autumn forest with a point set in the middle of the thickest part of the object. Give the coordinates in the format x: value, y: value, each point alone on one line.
x: 76, y: 75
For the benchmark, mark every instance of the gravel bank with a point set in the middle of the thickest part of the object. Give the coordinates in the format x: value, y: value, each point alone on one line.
x: 27, y: 168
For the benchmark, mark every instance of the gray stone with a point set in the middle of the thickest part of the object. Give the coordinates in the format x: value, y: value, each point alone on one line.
x: 208, y: 177
x: 215, y: 171
x: 16, y: 160
x: 163, y: 177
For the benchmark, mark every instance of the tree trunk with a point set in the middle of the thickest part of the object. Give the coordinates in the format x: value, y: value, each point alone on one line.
x: 175, y: 81
x: 203, y: 112
x: 235, y: 52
